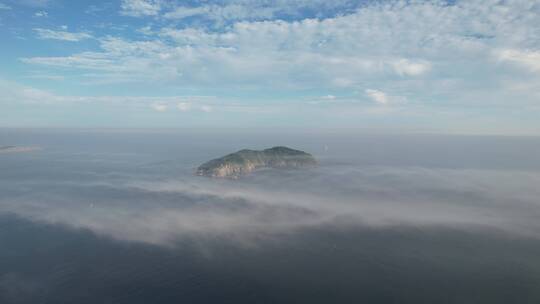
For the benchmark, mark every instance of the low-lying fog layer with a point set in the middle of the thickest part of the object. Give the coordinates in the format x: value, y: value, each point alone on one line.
x: 140, y: 187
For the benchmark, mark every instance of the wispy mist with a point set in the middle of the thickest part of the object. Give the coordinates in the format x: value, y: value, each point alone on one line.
x: 161, y: 200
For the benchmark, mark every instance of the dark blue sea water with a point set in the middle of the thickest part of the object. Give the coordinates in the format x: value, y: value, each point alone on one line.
x: 117, y: 216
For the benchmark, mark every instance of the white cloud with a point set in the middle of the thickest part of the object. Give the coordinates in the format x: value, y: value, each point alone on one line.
x: 160, y: 107
x: 329, y: 97
x: 47, y: 77
x: 405, y: 67
x: 184, y: 106
x: 184, y: 12
x: 61, y: 35
x: 383, y: 98
x: 249, y: 10
x: 85, y: 61
x: 377, y: 96
x: 41, y: 14
x: 139, y: 8
x: 526, y: 58
x: 146, y: 30
x: 223, y: 13
x: 4, y: 6
x: 96, y: 9
x: 15, y: 93
x: 206, y: 108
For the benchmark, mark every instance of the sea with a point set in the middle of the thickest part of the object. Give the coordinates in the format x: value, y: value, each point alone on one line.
x: 118, y: 216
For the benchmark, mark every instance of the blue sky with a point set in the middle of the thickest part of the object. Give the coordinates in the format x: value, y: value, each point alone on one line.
x: 435, y: 66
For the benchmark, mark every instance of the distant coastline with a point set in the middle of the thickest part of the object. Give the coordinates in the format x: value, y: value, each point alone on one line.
x: 17, y: 149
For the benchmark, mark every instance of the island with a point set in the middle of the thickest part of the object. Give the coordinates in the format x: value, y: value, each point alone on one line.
x: 246, y: 161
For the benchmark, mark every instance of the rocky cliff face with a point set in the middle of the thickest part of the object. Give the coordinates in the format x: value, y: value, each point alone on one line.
x: 245, y: 161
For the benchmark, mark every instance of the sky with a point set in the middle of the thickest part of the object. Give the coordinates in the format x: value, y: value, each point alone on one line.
x: 468, y: 67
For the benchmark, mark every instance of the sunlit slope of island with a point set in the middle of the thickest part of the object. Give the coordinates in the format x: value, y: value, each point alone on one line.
x: 245, y: 161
